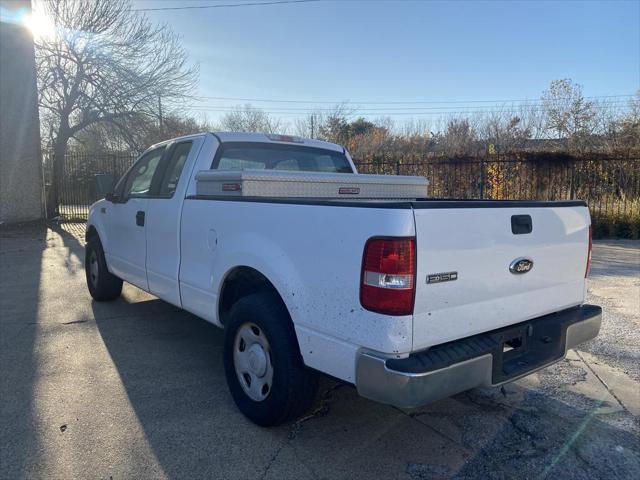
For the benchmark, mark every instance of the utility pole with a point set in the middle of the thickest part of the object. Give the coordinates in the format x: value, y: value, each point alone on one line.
x: 312, y: 118
x: 160, y: 112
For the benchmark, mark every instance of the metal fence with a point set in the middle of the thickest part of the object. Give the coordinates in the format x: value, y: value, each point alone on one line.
x: 77, y: 189
x: 611, y: 186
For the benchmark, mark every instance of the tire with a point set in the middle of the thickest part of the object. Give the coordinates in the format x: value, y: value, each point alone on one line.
x: 103, y: 285
x: 291, y: 386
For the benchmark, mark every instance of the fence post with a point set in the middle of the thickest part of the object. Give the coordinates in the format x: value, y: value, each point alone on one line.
x: 481, y: 178
x: 572, y: 189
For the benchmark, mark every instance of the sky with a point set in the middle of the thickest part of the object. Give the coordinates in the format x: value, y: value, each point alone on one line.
x: 403, y: 51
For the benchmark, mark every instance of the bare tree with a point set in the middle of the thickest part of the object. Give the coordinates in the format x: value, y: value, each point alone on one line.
x: 631, y: 122
x: 141, y: 132
x: 568, y: 113
x: 328, y: 124
x: 413, y: 128
x: 250, y: 119
x: 619, y: 127
x: 459, y: 137
x: 502, y: 129
x: 309, y: 126
x: 533, y: 120
x: 105, y: 64
x: 334, y: 125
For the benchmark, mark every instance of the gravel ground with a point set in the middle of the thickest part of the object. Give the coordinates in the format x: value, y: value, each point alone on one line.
x: 614, y: 283
x: 135, y: 389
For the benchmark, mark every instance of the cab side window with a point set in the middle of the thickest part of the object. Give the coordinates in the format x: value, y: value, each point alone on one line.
x: 139, y: 179
x: 174, y: 168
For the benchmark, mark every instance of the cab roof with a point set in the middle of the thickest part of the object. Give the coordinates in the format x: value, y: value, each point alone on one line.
x: 275, y: 138
x: 224, y: 137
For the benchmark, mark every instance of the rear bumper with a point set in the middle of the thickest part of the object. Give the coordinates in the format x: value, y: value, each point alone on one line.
x: 477, y: 361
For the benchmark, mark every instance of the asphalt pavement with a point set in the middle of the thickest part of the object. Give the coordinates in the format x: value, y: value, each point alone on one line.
x: 135, y: 389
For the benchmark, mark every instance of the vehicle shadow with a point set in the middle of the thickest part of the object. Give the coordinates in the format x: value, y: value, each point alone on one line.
x: 171, y: 367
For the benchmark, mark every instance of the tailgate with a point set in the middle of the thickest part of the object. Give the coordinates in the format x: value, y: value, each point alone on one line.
x: 464, y: 283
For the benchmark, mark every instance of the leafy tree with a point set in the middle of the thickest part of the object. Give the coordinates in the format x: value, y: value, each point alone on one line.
x: 360, y: 126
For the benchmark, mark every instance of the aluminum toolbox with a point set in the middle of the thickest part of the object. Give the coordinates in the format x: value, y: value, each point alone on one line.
x: 287, y: 184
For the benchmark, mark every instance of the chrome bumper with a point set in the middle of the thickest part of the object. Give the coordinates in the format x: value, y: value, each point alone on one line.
x: 378, y: 379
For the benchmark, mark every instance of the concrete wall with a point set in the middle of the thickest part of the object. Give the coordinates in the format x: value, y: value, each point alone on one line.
x: 21, y: 196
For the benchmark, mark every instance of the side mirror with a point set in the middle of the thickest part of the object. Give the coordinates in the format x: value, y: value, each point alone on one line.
x: 104, y: 185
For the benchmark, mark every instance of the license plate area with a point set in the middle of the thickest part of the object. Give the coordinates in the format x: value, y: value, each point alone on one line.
x: 513, y: 346
x: 526, y: 347
x: 535, y: 343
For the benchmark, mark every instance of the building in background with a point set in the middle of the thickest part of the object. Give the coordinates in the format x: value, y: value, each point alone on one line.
x: 21, y: 196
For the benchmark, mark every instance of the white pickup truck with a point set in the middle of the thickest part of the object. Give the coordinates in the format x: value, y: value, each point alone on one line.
x: 410, y: 300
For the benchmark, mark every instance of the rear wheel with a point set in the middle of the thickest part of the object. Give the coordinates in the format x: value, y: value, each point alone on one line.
x: 102, y: 284
x: 264, y: 369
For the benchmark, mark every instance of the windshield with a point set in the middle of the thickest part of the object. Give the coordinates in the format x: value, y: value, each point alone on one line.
x: 265, y: 156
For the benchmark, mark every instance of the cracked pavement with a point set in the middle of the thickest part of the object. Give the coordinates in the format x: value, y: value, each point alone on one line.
x: 135, y: 389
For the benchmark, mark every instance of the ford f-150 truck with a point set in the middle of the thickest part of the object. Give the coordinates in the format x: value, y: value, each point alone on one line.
x: 411, y: 300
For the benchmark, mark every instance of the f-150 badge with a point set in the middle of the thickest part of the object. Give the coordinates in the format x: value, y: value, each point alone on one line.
x: 442, y: 277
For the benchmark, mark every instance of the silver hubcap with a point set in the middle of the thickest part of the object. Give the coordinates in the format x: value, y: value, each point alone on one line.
x: 93, y: 268
x: 252, y: 361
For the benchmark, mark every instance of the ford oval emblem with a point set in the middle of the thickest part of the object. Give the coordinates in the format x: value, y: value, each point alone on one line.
x: 521, y: 265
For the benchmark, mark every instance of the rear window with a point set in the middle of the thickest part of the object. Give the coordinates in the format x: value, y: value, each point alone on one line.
x: 264, y: 156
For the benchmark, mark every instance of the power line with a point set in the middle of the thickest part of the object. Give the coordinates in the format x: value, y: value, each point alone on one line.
x: 370, y: 114
x: 513, y: 110
x: 444, y: 109
x: 222, y: 5
x: 360, y: 112
x: 408, y: 102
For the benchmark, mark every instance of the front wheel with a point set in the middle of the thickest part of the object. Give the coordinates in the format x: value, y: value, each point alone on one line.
x: 102, y: 284
x: 264, y: 369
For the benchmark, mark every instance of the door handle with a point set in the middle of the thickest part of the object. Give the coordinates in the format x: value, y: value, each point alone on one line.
x: 521, y: 224
x: 140, y: 218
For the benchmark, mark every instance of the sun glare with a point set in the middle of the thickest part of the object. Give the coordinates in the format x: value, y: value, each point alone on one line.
x: 40, y: 25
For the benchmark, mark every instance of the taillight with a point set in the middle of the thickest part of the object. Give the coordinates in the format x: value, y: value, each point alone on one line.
x: 388, y: 279
x: 586, y: 272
